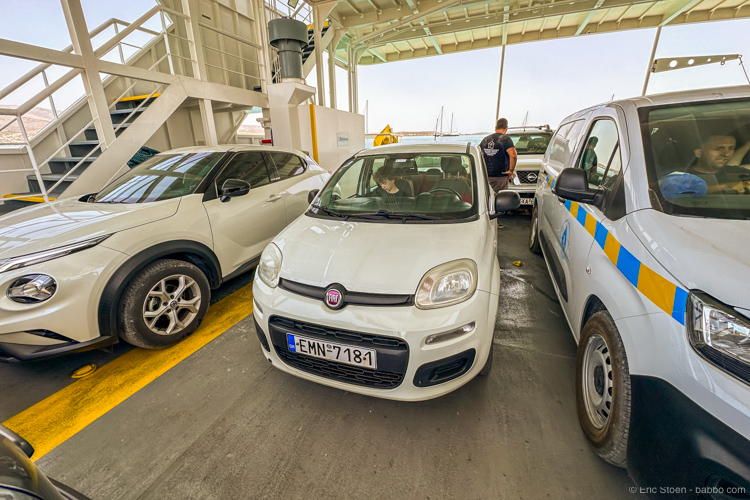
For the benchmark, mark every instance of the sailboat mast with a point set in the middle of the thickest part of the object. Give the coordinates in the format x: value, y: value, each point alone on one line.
x: 441, y: 120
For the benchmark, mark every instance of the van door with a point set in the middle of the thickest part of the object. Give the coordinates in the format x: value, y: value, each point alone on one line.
x: 553, y: 222
x: 600, y: 158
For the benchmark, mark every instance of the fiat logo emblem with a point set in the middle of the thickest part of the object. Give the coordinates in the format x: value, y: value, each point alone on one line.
x: 532, y: 177
x: 334, y: 298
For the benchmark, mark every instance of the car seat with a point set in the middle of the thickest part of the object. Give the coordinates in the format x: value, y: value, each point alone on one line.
x: 452, y: 167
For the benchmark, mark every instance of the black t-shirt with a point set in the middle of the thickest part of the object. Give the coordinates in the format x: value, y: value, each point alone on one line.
x: 495, y: 148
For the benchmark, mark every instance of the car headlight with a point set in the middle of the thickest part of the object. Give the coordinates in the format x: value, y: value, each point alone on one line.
x: 720, y: 333
x: 447, y: 284
x: 270, y: 265
x: 55, y: 253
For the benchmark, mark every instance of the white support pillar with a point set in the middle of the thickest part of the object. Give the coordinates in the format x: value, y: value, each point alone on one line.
x: 332, y: 65
x: 651, y: 60
x: 318, y: 21
x: 209, y: 126
x: 500, y: 85
x: 92, y: 82
x: 349, y: 77
x: 192, y: 9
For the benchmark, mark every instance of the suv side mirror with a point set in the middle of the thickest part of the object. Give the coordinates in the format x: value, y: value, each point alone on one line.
x: 573, y: 184
x: 232, y: 188
x: 311, y: 195
x: 17, y: 440
x: 505, y: 201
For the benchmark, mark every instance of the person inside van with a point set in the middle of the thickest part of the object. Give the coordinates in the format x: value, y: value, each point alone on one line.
x: 589, y: 161
x: 710, y: 164
x: 388, y: 188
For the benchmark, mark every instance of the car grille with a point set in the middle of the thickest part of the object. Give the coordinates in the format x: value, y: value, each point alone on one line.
x: 393, y: 353
x: 527, y: 176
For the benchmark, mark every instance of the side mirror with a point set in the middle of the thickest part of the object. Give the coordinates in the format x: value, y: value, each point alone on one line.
x: 232, y: 188
x: 311, y: 195
x: 573, y: 184
x: 505, y: 201
x: 17, y: 440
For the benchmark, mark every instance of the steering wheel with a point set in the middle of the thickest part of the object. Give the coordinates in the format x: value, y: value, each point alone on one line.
x: 447, y: 191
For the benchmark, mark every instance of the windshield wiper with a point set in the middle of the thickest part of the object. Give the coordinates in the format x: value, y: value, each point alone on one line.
x: 331, y: 212
x: 397, y: 215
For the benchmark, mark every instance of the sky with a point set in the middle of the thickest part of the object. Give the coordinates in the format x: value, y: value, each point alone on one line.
x: 547, y: 79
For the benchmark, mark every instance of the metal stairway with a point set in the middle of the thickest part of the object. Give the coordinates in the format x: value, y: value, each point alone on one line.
x: 86, y: 151
x: 307, y: 50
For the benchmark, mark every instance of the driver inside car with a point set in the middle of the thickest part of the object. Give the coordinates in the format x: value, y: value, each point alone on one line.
x: 711, y: 165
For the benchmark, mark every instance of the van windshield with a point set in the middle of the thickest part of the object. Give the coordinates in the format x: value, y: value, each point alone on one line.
x: 401, y: 187
x: 698, y: 158
x: 530, y: 143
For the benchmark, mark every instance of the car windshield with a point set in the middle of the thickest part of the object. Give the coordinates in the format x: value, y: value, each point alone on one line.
x: 530, y: 143
x: 161, y: 177
x: 698, y: 158
x: 403, y: 187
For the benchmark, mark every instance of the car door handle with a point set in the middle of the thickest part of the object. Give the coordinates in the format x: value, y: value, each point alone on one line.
x: 274, y: 197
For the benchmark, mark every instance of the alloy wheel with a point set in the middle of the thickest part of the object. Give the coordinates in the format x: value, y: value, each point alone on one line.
x: 172, y: 304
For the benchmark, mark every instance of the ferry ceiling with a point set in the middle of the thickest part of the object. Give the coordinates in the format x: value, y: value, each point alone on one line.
x: 379, y: 31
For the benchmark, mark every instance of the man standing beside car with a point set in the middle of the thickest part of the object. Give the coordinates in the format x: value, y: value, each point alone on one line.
x: 499, y: 155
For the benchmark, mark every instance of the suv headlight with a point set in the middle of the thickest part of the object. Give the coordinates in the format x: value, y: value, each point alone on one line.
x: 720, y: 333
x: 270, y: 265
x: 55, y: 253
x: 447, y: 284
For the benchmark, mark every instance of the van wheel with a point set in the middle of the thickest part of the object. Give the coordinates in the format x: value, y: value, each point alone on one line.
x: 534, y: 233
x: 488, y: 364
x: 163, y: 304
x: 603, y: 388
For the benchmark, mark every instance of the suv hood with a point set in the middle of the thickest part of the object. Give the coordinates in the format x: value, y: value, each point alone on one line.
x: 529, y: 161
x: 52, y: 225
x: 373, y: 257
x: 700, y: 253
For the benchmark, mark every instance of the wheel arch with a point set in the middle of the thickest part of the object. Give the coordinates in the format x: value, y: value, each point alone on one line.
x: 593, y: 306
x: 193, y: 252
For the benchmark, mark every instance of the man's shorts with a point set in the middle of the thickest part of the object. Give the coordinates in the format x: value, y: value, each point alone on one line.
x: 499, y: 183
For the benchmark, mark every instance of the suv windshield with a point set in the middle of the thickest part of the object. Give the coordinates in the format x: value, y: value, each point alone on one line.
x: 528, y: 143
x: 698, y: 158
x: 413, y: 187
x: 161, y: 177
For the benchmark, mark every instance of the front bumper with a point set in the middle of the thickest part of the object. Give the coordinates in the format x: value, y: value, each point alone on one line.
x: 678, y: 449
x: 398, y: 334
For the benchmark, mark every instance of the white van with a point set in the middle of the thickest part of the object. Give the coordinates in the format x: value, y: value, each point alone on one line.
x: 388, y: 285
x: 643, y: 216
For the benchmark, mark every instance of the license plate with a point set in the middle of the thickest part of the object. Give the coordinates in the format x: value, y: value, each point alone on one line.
x: 527, y: 201
x: 341, y: 353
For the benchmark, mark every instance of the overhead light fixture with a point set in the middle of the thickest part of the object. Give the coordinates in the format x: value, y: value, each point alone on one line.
x: 292, y: 3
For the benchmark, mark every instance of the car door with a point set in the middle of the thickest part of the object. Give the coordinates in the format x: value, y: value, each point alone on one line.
x: 600, y: 157
x: 293, y: 182
x: 242, y: 226
x: 554, y: 223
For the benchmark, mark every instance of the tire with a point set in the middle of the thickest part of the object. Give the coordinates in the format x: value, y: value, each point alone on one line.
x: 150, y: 315
x: 488, y: 364
x: 534, y: 233
x: 603, y: 388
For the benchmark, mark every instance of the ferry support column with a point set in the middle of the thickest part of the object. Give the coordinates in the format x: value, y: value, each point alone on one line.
x: 92, y: 82
x: 500, y: 85
x: 320, y: 13
x: 338, y: 35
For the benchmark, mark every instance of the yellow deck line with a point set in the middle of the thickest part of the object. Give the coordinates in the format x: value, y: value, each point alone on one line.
x: 50, y: 422
x: 138, y: 97
x: 35, y: 199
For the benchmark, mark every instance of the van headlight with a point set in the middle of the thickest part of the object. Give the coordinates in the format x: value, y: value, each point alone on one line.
x: 270, y: 265
x: 720, y: 333
x: 447, y: 284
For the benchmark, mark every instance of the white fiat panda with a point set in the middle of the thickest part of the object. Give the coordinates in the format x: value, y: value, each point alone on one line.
x: 388, y: 285
x: 643, y: 216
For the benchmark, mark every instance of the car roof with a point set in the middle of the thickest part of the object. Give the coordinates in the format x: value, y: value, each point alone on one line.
x: 426, y: 147
x: 224, y: 148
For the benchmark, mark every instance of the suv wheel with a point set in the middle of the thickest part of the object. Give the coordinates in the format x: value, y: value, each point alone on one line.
x: 534, y: 232
x: 603, y: 388
x: 163, y: 304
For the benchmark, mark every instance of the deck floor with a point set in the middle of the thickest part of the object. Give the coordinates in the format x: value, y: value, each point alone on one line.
x: 224, y: 424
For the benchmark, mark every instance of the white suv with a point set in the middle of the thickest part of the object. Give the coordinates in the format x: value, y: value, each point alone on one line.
x: 644, y: 221
x: 530, y: 144
x: 139, y: 258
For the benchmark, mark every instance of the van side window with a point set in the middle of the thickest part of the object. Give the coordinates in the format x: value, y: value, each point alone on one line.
x: 600, y: 152
x: 563, y: 144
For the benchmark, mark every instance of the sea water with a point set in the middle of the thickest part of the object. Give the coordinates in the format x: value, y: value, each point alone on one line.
x: 428, y: 139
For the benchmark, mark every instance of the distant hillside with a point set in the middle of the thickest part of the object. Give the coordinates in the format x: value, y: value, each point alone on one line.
x: 250, y: 129
x: 33, y: 121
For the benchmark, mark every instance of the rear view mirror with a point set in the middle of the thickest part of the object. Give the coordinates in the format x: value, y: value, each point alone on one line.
x: 505, y: 201
x: 17, y: 440
x: 311, y: 195
x: 573, y: 184
x: 232, y: 188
